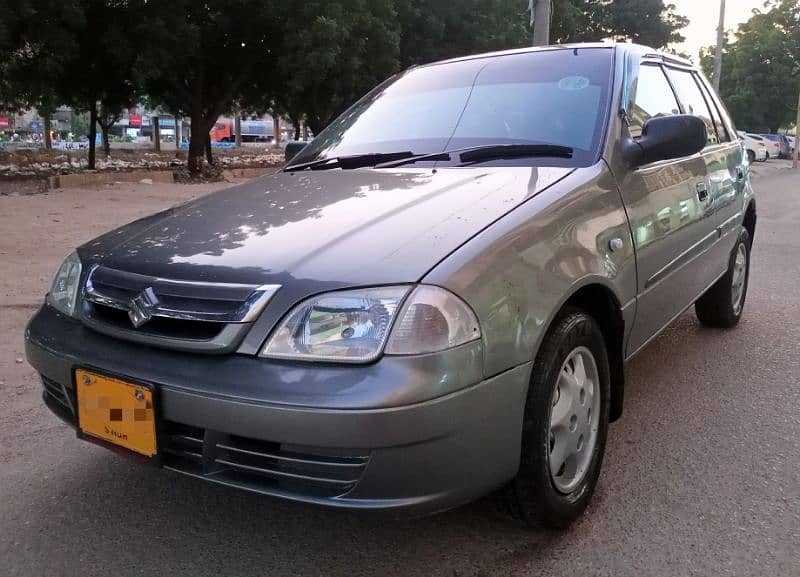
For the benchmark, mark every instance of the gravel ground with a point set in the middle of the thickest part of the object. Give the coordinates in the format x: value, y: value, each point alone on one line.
x: 700, y: 478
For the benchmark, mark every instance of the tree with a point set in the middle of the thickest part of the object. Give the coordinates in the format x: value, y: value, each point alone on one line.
x: 36, y: 39
x: 199, y: 56
x: 346, y: 47
x: 762, y: 68
x: 98, y: 75
x: 436, y: 30
x: 650, y: 22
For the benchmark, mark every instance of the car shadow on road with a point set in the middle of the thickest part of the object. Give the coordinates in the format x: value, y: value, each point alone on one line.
x: 136, y: 518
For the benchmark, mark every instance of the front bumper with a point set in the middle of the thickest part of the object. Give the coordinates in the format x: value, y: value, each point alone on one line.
x: 412, y: 434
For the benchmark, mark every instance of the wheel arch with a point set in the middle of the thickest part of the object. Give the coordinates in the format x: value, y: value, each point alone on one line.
x: 750, y: 218
x: 600, y: 302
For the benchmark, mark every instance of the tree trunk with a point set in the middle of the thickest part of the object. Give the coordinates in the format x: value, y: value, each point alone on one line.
x: 237, y: 129
x: 305, y: 131
x: 209, y: 154
x: 178, y: 132
x: 105, y: 128
x: 198, y: 140
x: 295, y: 120
x: 48, y: 139
x: 156, y: 134
x: 276, y: 127
x: 197, y: 146
x: 92, y: 135
x: 315, y: 124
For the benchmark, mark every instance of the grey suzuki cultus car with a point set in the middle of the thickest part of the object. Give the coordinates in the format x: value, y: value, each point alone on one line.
x: 432, y: 300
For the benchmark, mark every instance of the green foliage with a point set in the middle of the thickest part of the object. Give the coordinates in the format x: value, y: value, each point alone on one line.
x: 649, y: 22
x: 435, y: 30
x: 78, y: 124
x: 761, y: 69
x: 335, y: 51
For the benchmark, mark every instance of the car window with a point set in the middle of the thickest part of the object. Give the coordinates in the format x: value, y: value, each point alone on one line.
x: 556, y: 97
x: 692, y: 100
x: 722, y: 132
x: 652, y: 97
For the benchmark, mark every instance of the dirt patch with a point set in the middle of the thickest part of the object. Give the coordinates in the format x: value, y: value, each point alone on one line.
x: 38, y: 231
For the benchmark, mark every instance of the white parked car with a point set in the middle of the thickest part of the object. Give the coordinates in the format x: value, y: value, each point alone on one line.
x: 755, y: 146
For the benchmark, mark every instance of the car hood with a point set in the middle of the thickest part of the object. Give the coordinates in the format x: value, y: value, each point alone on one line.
x: 333, y: 228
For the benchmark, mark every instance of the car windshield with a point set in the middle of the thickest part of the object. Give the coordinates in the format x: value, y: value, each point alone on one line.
x: 557, y: 97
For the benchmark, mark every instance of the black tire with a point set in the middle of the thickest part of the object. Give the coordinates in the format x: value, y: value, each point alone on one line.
x: 751, y: 156
x: 532, y: 495
x: 716, y: 308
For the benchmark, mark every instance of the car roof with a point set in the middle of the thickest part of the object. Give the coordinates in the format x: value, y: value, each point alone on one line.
x: 643, y: 51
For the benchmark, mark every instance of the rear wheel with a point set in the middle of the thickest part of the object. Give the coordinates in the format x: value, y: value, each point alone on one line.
x: 565, y: 424
x: 751, y: 156
x: 722, y: 305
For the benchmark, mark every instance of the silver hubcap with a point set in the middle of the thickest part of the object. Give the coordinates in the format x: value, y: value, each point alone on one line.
x: 574, y: 419
x: 739, y: 277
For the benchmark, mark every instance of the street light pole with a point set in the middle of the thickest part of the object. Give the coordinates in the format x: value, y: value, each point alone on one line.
x: 720, y: 42
x: 796, y: 134
x: 540, y: 21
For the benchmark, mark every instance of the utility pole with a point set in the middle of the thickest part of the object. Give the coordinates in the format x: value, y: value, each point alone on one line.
x: 796, y: 134
x: 540, y: 21
x: 720, y: 42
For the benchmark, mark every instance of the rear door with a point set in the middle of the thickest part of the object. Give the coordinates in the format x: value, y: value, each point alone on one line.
x: 668, y: 205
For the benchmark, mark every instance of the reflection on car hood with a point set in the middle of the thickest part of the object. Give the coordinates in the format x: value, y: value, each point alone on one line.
x: 336, y: 228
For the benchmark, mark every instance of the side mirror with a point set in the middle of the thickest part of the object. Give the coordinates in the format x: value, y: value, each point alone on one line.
x: 293, y: 148
x: 667, y: 137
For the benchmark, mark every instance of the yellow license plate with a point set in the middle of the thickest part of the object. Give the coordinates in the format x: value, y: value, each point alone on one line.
x: 116, y: 411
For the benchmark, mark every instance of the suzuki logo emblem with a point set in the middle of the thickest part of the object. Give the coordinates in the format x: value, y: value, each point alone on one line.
x: 142, y: 306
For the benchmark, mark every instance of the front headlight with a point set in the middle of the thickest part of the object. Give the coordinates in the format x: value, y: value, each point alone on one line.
x: 63, y: 293
x: 353, y: 326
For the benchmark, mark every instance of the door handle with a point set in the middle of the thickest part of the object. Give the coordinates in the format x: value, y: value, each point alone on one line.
x: 702, y: 191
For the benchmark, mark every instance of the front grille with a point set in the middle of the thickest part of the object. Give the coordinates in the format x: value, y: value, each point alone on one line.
x: 261, y: 466
x: 58, y: 399
x: 158, y: 326
x: 186, y: 315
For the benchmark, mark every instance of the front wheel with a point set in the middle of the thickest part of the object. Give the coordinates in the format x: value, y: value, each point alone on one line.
x: 751, y: 156
x: 721, y: 305
x: 565, y: 424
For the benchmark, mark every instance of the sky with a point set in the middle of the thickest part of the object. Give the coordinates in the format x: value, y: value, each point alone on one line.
x: 703, y: 17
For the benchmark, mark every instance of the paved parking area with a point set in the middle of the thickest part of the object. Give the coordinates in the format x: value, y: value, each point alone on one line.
x: 700, y: 478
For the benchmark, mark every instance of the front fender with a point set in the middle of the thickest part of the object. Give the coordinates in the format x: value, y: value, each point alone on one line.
x: 517, y: 273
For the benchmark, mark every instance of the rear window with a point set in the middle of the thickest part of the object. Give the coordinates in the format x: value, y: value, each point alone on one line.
x: 547, y: 97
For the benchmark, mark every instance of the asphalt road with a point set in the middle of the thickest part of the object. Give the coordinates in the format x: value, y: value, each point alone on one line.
x: 701, y: 477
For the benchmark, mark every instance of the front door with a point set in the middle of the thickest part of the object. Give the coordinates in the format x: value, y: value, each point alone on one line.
x: 670, y: 210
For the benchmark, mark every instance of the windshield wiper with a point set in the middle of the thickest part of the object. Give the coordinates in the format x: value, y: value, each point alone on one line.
x: 416, y: 158
x: 466, y: 156
x: 350, y: 162
x: 504, y: 151
x: 490, y: 152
